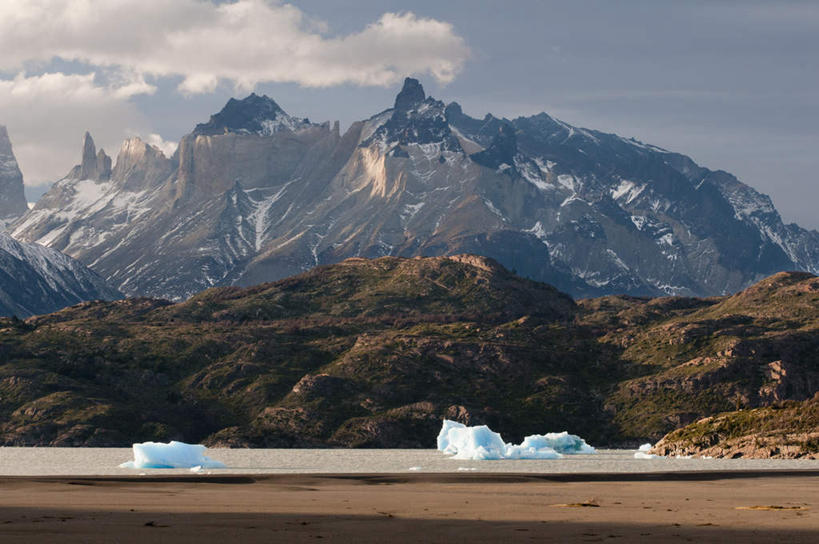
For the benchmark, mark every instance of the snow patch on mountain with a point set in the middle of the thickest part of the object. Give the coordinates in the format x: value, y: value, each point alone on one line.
x: 567, y: 181
x: 628, y: 189
x: 533, y: 173
x: 540, y: 232
x: 259, y: 216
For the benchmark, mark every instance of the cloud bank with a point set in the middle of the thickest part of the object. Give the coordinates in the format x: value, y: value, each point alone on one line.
x: 245, y: 42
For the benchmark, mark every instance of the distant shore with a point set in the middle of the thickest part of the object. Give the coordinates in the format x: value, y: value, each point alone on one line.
x: 758, y: 506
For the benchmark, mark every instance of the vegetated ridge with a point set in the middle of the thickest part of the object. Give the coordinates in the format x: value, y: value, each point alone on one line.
x: 374, y: 353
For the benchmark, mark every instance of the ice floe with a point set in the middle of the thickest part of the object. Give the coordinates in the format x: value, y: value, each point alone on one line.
x: 481, y: 443
x: 642, y: 452
x: 171, y: 455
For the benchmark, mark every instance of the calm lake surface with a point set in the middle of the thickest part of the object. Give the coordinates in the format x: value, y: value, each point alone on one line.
x: 105, y: 461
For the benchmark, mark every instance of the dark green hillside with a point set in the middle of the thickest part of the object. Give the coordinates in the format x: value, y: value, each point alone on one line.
x: 696, y: 357
x: 376, y: 352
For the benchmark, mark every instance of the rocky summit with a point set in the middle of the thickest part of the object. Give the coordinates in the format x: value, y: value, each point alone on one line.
x: 256, y: 195
x: 12, y: 197
x: 374, y: 353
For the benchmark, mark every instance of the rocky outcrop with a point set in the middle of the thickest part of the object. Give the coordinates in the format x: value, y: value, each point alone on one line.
x: 786, y: 430
x: 12, y: 197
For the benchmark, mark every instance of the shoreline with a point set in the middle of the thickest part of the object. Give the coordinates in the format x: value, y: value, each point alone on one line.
x: 93, y: 462
x: 754, y: 506
x: 156, y: 476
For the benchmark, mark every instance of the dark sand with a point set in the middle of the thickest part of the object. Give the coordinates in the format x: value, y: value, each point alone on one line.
x: 451, y: 508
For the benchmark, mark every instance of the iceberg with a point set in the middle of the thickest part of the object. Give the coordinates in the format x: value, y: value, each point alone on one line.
x: 480, y: 443
x: 560, y: 442
x: 170, y: 455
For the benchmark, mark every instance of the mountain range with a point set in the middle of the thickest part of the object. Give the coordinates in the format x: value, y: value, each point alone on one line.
x: 256, y: 195
x: 36, y: 279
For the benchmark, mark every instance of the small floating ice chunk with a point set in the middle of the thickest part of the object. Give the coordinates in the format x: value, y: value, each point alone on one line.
x: 467, y: 469
x: 414, y: 469
x: 642, y: 452
x: 481, y: 443
x: 644, y: 455
x: 559, y: 442
x: 170, y: 455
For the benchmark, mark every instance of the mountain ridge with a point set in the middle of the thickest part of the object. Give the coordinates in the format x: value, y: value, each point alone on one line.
x: 37, y: 280
x: 255, y: 195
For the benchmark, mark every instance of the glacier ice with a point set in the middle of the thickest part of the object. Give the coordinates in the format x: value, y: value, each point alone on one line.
x: 482, y: 443
x: 170, y: 455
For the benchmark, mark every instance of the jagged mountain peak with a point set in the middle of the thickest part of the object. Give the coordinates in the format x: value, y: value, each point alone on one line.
x: 95, y: 165
x: 137, y: 146
x: 12, y: 197
x: 4, y: 137
x: 411, y: 95
x: 89, y: 148
x: 415, y: 119
x: 140, y: 165
x: 253, y: 114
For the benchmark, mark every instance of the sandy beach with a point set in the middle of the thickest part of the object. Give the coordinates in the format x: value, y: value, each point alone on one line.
x: 671, y: 507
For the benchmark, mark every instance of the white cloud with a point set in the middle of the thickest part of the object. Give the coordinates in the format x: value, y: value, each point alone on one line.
x: 245, y: 42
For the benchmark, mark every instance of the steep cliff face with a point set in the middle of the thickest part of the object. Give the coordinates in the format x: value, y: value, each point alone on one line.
x: 12, y: 197
x: 255, y: 194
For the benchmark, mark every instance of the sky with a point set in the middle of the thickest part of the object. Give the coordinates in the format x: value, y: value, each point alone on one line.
x: 733, y: 84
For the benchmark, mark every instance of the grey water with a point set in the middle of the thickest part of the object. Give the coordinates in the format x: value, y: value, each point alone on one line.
x: 104, y: 462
